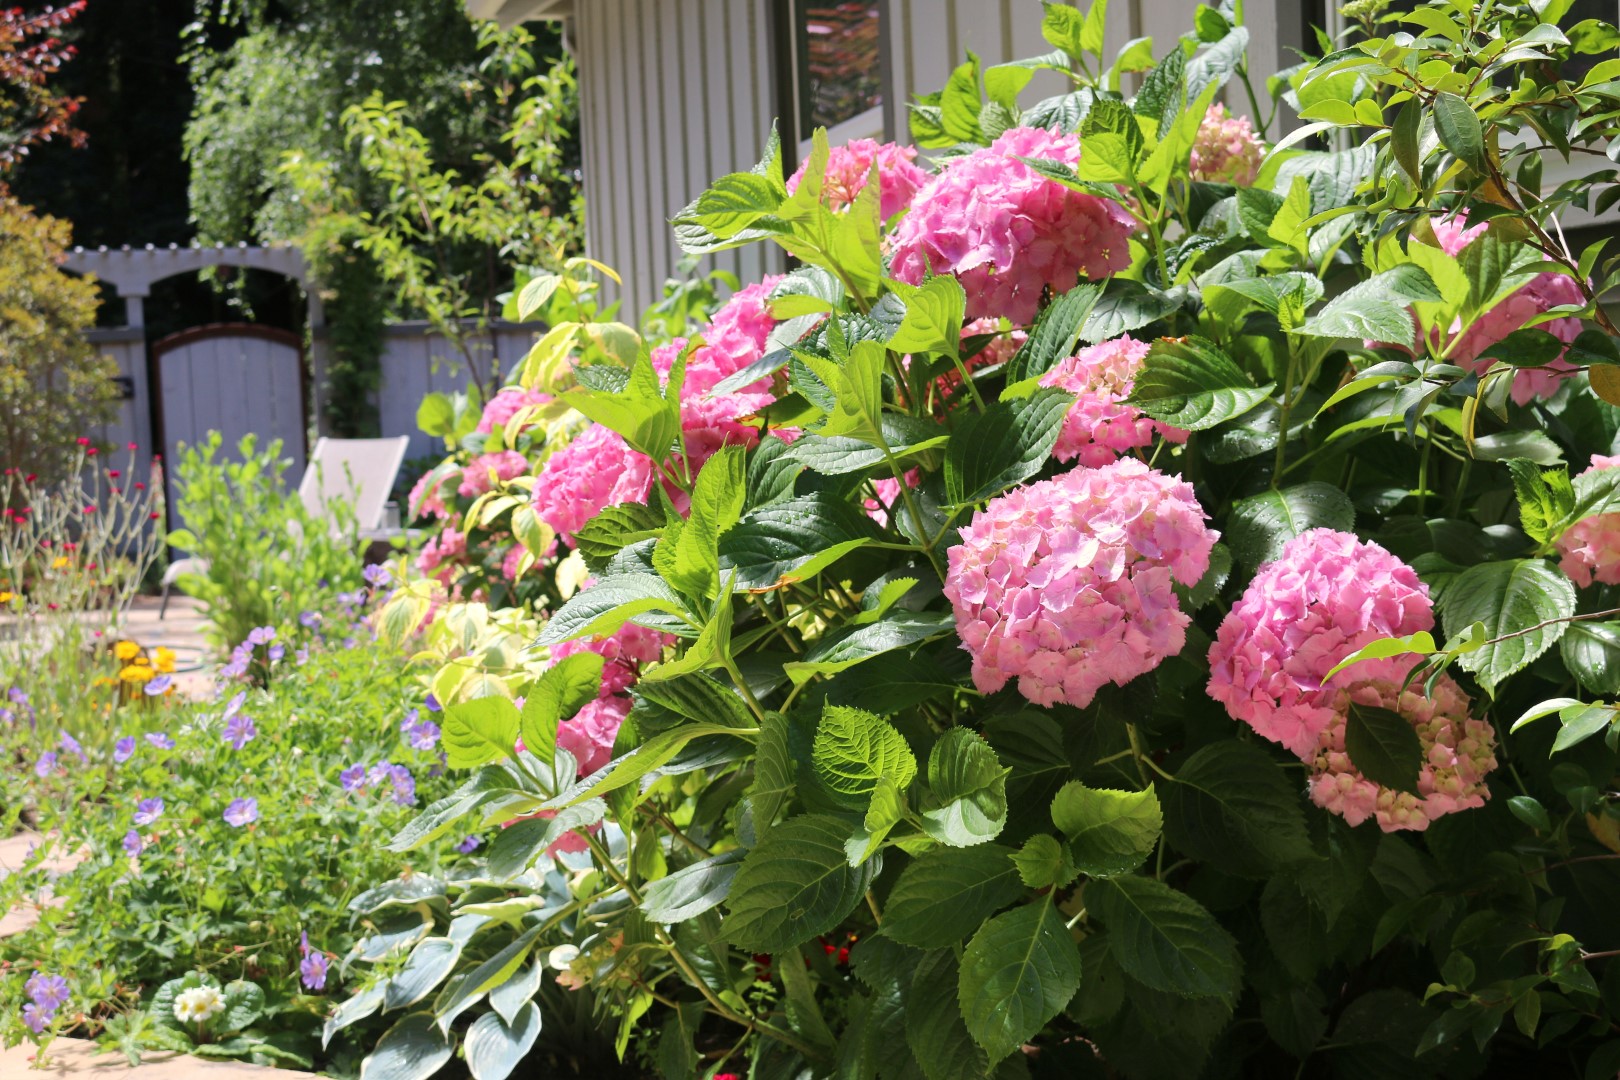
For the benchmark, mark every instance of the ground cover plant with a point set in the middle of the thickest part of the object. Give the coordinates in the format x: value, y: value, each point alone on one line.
x: 1138, y: 600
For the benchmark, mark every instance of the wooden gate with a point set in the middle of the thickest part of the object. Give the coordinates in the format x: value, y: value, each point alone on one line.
x: 232, y: 378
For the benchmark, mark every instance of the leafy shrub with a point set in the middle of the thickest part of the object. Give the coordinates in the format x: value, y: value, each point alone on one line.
x: 1108, y: 617
x: 223, y: 843
x: 269, y: 559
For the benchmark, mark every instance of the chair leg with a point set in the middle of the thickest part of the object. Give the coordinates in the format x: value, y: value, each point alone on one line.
x: 163, y: 608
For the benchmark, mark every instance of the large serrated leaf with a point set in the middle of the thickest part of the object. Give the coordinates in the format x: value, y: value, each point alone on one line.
x: 691, y: 890
x: 898, y: 630
x: 1260, y: 525
x: 854, y: 749
x: 1018, y: 972
x: 1191, y: 384
x: 966, y: 800
x: 1513, y: 597
x: 1004, y: 445
x: 791, y: 540
x: 794, y: 885
x: 1166, y: 939
x: 612, y: 602
x: 1230, y: 805
x: 1110, y: 832
x: 1384, y: 747
x: 945, y: 894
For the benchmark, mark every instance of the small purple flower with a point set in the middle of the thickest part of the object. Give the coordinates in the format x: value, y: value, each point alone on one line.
x: 17, y: 696
x: 132, y: 843
x: 47, y: 991
x: 312, y: 968
x: 261, y: 635
x: 420, y: 734
x: 350, y: 642
x: 242, y: 812
x: 431, y: 703
x: 46, y: 762
x: 148, y: 811
x: 309, y: 620
x: 235, y: 669
x: 234, y: 706
x: 468, y: 844
x: 276, y: 652
x: 7, y: 716
x: 353, y: 778
x: 376, y: 575
x: 157, y: 685
x: 404, y: 785
x: 70, y: 745
x: 301, y: 657
x: 352, y: 599
x: 381, y: 771
x: 240, y: 730
x: 160, y: 740
x: 124, y: 749
x: 36, y: 1018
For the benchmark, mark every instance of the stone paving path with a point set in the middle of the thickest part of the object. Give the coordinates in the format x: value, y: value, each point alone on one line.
x: 78, y: 1057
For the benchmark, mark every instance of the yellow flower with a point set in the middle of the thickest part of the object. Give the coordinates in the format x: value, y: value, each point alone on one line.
x: 61, y: 561
x: 5, y: 597
x: 141, y: 661
x: 126, y: 650
x: 139, y: 676
x: 163, y: 659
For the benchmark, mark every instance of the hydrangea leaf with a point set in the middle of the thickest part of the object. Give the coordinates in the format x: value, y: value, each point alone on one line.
x: 1003, y: 446
x: 1018, y: 972
x: 691, y: 890
x: 1519, y: 597
x: 1109, y: 832
x: 1384, y: 747
x: 1262, y: 524
x: 945, y: 894
x: 854, y: 749
x: 1191, y: 384
x: 1230, y: 805
x: 966, y: 801
x: 794, y: 885
x: 479, y: 731
x: 1166, y: 939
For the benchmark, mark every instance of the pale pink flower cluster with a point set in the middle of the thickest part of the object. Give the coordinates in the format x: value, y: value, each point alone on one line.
x: 1226, y: 149
x: 1458, y: 752
x: 425, y: 500
x: 594, y: 471
x: 510, y: 561
x: 850, y: 166
x: 446, y: 548
x: 1590, y: 548
x: 1099, y: 425
x: 623, y: 652
x: 1326, y: 596
x: 1540, y: 294
x: 1066, y: 584
x: 1007, y: 232
x: 500, y: 409
x: 589, y: 735
x: 506, y: 464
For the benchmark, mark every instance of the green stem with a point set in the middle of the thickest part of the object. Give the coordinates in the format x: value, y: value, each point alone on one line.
x: 1284, y: 406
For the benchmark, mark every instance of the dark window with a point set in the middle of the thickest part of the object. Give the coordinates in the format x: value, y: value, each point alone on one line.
x: 837, y: 71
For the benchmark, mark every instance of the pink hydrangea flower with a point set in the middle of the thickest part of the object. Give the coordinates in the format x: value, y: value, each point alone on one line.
x: 1066, y: 585
x: 1326, y: 596
x: 507, y: 465
x: 888, y: 496
x: 1590, y: 549
x: 589, y: 735
x: 623, y: 653
x: 849, y: 166
x: 597, y: 470
x: 500, y: 409
x: 1458, y: 753
x: 448, y: 547
x: 1007, y: 232
x: 1099, y: 425
x: 734, y: 338
x: 1453, y: 232
x: 1226, y: 149
x: 510, y: 561
x: 424, y: 499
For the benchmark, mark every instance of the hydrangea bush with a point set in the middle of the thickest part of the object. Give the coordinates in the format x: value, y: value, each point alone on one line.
x: 1136, y: 600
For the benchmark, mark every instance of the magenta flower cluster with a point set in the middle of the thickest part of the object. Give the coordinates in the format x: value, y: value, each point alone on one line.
x: 1099, y: 425
x: 1006, y: 232
x: 1590, y: 549
x: 849, y: 167
x: 1067, y: 584
x: 507, y: 403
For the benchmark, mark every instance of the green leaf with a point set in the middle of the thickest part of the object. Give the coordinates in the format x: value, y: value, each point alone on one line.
x: 1418, y: 644
x: 1053, y: 337
x: 773, y: 773
x: 1460, y: 130
x: 1378, y: 309
x: 1230, y: 805
x: 244, y: 1003
x: 960, y: 100
x: 905, y: 437
x: 495, y: 1047
x: 479, y: 731
x: 1018, y: 972
x: 794, y: 885
x: 1191, y: 384
x: 413, y: 1049
x: 1592, y: 653
x: 1513, y: 596
x: 854, y: 749
x: 639, y: 411
x: 1063, y: 27
x: 561, y: 691
x: 692, y: 890
x: 935, y: 1032
x: 966, y: 802
x: 1545, y: 498
x: 1110, y: 832
x: 717, y: 503
x: 900, y: 630
x: 485, y: 977
x: 933, y: 319
x: 435, y: 416
x: 1003, y: 446
x: 516, y: 848
x: 1125, y: 305
x: 1044, y: 863
x: 430, y: 962
x: 945, y: 894
x: 775, y: 545
x: 612, y: 602
x: 655, y: 753
x: 536, y: 294
x: 1262, y: 524
x: 1384, y: 747
x: 1166, y: 939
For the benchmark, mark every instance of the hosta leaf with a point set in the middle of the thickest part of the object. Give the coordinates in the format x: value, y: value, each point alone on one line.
x: 945, y: 894
x: 413, y: 1049
x: 431, y: 960
x: 495, y: 1047
x: 1508, y: 597
x: 1018, y: 972
x: 1110, y: 832
x: 1166, y: 939
x: 1260, y: 525
x: 1191, y: 384
x: 794, y: 885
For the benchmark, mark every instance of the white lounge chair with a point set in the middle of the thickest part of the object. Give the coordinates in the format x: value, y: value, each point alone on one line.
x: 359, y: 472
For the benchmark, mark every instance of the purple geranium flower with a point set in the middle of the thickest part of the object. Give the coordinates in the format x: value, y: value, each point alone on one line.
x: 431, y: 703
x: 261, y: 635
x: 301, y: 657
x: 420, y: 734
x: 276, y: 652
x: 17, y: 696
x: 70, y: 745
x: 46, y: 762
x: 404, y: 785
x: 240, y: 730
x: 160, y: 740
x: 36, y: 1018
x: 158, y: 684
x: 47, y: 991
x: 234, y: 706
x: 309, y: 620
x: 468, y: 843
x: 132, y: 843
x: 148, y: 810
x: 242, y: 812
x: 312, y: 968
x: 376, y: 575
x: 353, y: 778
x: 124, y: 749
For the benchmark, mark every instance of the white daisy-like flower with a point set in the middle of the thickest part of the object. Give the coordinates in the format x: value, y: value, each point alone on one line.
x: 199, y: 1004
